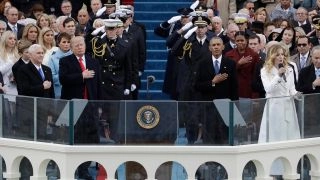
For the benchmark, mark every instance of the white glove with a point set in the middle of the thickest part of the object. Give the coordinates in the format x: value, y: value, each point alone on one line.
x: 174, y: 19
x: 187, y: 26
x: 190, y: 32
x: 103, y: 35
x: 140, y: 73
x: 194, y: 5
x: 126, y: 92
x: 96, y: 31
x: 133, y: 87
x: 101, y: 11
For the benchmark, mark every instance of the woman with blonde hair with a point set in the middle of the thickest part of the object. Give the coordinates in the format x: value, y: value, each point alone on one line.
x: 53, y: 24
x: 47, y: 41
x: 31, y: 33
x: 279, y: 120
x: 43, y: 21
x: 261, y: 15
x: 8, y: 56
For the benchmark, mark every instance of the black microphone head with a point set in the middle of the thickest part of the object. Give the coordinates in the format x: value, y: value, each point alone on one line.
x: 280, y: 65
x: 151, y: 78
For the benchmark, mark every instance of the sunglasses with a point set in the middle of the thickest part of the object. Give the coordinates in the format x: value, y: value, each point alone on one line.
x: 302, y: 45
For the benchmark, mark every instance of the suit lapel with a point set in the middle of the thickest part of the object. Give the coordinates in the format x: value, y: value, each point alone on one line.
x: 46, y: 73
x: 223, y: 66
x: 296, y: 60
x: 88, y: 63
x: 76, y: 63
x: 312, y: 74
x: 35, y: 70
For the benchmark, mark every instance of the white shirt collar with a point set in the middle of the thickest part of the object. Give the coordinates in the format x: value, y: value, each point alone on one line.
x: 232, y: 44
x: 306, y: 55
x: 202, y: 40
x: 38, y: 67
x: 12, y: 25
x: 219, y: 59
x: 304, y: 22
x: 83, y: 60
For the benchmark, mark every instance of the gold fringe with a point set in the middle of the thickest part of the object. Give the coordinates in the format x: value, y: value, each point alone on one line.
x: 98, y: 51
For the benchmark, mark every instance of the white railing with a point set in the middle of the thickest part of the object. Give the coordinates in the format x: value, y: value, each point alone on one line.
x: 232, y: 158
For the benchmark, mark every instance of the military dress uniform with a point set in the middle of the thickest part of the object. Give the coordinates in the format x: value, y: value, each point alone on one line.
x: 190, y: 52
x: 115, y: 63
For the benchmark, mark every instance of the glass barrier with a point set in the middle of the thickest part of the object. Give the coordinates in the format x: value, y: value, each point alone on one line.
x: 36, y: 119
x: 246, y: 115
x: 218, y: 122
x: 309, y: 116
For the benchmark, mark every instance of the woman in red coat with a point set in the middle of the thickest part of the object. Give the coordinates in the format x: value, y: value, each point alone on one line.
x: 246, y: 60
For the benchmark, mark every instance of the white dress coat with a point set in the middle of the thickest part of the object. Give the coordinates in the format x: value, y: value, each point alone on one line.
x: 5, y: 69
x: 279, y: 120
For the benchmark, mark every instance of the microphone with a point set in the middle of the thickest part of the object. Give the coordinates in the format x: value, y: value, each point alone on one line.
x: 283, y: 75
x: 151, y: 79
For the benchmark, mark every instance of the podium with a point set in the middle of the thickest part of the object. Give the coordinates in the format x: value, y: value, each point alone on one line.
x: 148, y: 122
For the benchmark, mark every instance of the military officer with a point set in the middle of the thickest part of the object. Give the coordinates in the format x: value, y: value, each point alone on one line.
x: 113, y: 54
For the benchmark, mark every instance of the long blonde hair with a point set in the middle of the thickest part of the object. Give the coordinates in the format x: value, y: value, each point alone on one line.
x: 272, y: 54
x: 41, y: 37
x: 5, y: 51
x: 26, y: 30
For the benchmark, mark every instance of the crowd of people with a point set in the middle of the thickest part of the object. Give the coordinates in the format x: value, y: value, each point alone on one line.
x: 60, y: 50
x: 268, y: 48
x: 256, y: 52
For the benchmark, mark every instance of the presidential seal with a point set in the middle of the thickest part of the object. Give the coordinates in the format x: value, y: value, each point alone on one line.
x: 148, y: 117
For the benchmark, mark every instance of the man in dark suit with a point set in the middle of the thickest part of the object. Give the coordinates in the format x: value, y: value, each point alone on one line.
x: 34, y: 79
x: 79, y: 76
x: 309, y: 83
x: 12, y: 25
x: 216, y: 85
x: 78, y: 83
x: 229, y: 39
x: 23, y: 46
x: 302, y: 20
x: 302, y: 58
x: 215, y: 79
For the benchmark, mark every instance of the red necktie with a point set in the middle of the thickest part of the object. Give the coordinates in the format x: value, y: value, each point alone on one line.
x: 85, y: 92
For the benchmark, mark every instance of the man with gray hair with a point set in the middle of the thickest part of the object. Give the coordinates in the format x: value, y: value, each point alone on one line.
x: 35, y: 79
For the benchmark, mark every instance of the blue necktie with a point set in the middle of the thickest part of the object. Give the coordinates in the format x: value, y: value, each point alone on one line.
x: 216, y: 66
x: 41, y: 73
x: 303, y: 61
x: 318, y: 73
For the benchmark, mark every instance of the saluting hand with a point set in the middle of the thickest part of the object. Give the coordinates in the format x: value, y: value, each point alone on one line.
x: 87, y: 74
x: 46, y: 84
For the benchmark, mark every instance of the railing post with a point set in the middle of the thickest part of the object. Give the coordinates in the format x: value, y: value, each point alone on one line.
x: 35, y: 119
x: 1, y: 116
x: 71, y: 126
x: 231, y: 122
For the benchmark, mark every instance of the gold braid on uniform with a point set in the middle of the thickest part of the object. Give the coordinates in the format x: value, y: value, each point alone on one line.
x: 100, y: 50
x: 187, y: 47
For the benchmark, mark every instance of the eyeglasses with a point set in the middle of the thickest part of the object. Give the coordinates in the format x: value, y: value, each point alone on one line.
x: 251, y: 8
x: 302, y: 45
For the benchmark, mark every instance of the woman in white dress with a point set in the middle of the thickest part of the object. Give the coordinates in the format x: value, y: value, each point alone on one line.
x: 8, y: 56
x: 279, y: 120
